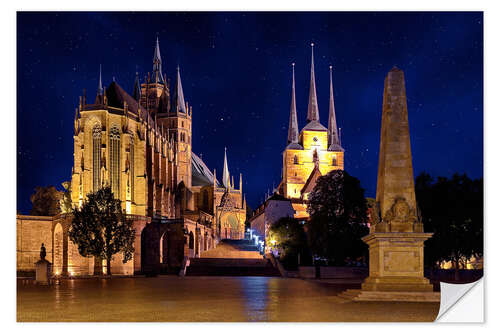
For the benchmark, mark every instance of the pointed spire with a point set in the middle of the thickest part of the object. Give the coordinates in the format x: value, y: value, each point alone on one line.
x: 157, y: 72
x: 99, y: 99
x: 99, y: 87
x: 333, y: 138
x: 178, y: 104
x: 312, y: 108
x: 293, y: 128
x: 225, y: 172
x: 137, y: 88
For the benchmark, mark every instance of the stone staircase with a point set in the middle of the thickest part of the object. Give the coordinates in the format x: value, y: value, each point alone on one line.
x: 232, y: 258
x: 243, y: 249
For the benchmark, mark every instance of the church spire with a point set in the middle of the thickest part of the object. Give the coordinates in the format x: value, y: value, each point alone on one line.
x: 225, y: 172
x: 137, y: 88
x: 293, y: 128
x: 179, y: 104
x: 333, y: 138
x: 99, y: 99
x: 157, y: 72
x: 312, y: 108
x: 99, y: 86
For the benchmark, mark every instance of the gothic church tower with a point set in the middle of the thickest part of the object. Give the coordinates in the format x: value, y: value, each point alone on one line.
x: 313, y: 152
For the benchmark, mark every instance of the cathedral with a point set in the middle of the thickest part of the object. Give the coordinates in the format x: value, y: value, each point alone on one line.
x: 140, y: 145
x: 313, y: 152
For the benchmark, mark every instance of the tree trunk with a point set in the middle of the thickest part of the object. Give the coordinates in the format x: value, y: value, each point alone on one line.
x: 108, y: 266
x: 97, y: 266
x: 456, y: 269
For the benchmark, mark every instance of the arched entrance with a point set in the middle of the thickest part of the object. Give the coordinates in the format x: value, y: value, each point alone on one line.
x: 231, y: 226
x: 58, y: 249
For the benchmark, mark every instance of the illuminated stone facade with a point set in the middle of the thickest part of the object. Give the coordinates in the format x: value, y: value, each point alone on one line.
x: 312, y: 153
x: 141, y: 146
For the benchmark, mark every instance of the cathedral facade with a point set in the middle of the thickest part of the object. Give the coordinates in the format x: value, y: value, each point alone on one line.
x: 140, y: 145
x: 312, y: 152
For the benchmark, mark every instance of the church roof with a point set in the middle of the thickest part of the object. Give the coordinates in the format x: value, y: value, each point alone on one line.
x: 294, y: 145
x: 277, y: 197
x: 335, y: 147
x: 116, y: 96
x: 314, y: 125
x: 201, y: 174
x: 311, y: 181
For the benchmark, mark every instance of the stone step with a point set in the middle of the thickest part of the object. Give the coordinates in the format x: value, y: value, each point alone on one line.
x: 232, y: 262
x: 231, y: 271
x: 390, y: 296
x: 230, y: 267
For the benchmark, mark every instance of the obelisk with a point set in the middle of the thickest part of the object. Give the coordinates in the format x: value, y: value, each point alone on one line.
x: 396, y: 238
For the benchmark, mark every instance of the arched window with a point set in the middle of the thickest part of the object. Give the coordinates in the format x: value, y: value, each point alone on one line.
x: 295, y: 159
x: 132, y: 162
x: 96, y: 156
x: 334, y: 160
x: 114, y: 158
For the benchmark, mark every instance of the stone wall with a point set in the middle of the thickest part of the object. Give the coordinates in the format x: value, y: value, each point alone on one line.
x: 31, y: 232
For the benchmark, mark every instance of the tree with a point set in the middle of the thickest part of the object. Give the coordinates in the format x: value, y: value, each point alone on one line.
x: 45, y: 201
x: 338, y: 211
x: 288, y: 235
x: 100, y: 229
x: 452, y: 209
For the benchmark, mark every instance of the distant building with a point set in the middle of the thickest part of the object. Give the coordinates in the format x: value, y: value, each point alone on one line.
x: 269, y: 212
x: 314, y: 152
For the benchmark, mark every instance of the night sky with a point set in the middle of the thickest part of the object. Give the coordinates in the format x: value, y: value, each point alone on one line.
x: 236, y: 73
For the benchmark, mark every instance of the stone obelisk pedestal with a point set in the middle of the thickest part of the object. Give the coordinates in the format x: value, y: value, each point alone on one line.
x: 396, y: 238
x: 396, y: 262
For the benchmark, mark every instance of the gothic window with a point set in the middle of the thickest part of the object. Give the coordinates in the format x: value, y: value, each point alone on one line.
x: 295, y: 159
x: 334, y: 160
x: 132, y: 162
x: 96, y: 156
x: 114, y: 157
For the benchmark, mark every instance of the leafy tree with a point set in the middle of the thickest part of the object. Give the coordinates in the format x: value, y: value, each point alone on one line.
x: 100, y: 229
x: 452, y: 209
x: 45, y: 201
x: 338, y: 211
x: 289, y: 235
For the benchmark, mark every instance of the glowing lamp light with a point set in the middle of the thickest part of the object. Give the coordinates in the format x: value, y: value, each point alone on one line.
x: 273, y: 242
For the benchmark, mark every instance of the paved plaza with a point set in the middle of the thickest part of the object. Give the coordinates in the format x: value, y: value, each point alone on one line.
x: 214, y: 299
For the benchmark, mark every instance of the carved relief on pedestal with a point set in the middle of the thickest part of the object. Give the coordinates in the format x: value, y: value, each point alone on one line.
x: 399, y: 218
